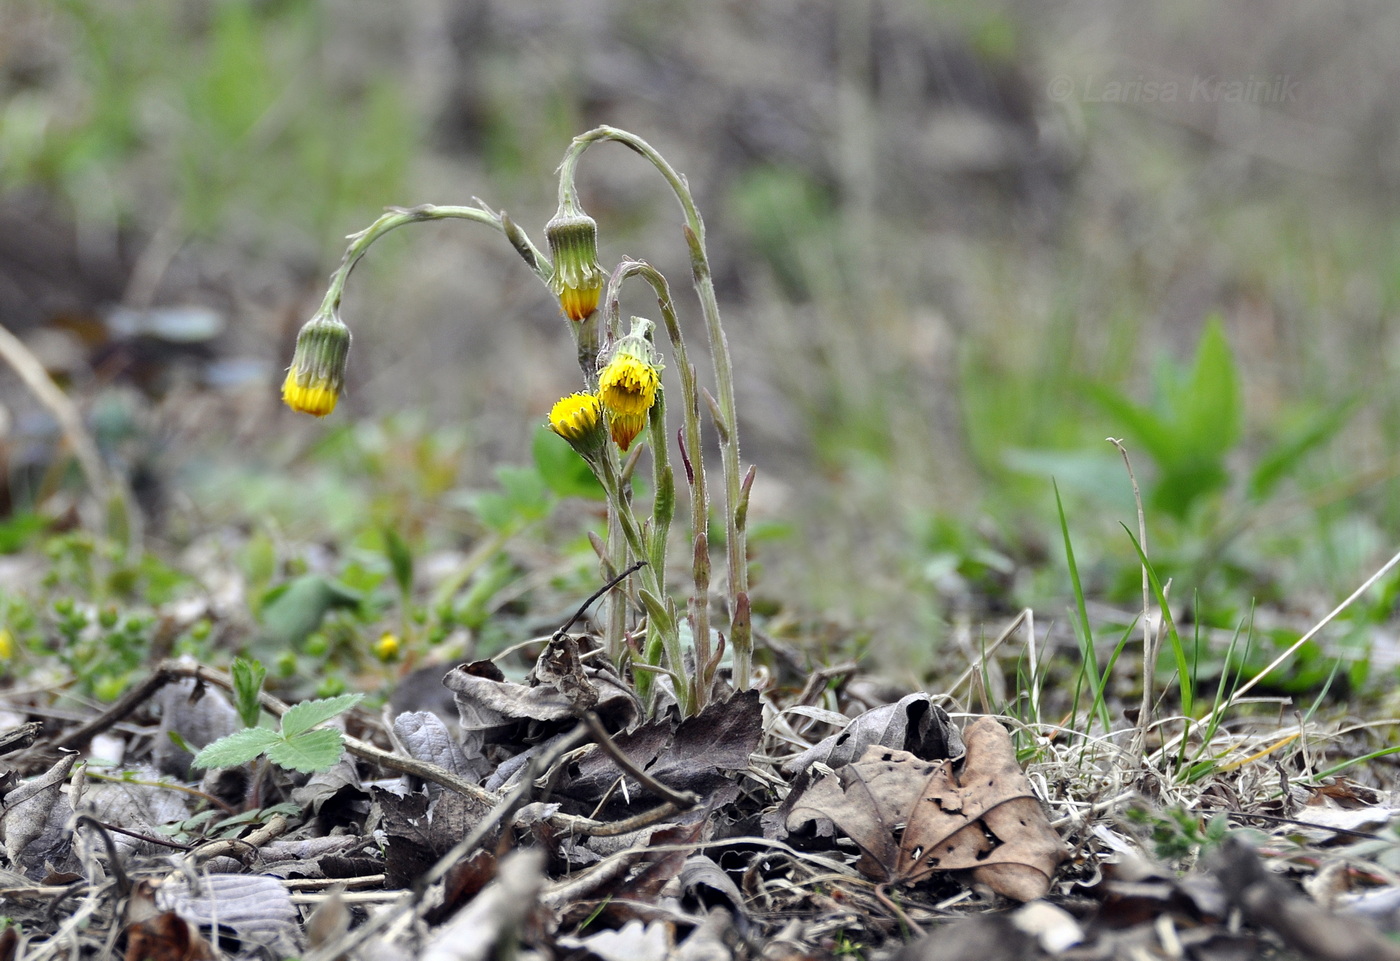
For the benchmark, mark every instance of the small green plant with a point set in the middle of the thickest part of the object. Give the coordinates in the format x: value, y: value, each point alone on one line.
x: 622, y: 400
x: 1194, y: 427
x: 248, y: 677
x: 1179, y: 836
x: 298, y: 745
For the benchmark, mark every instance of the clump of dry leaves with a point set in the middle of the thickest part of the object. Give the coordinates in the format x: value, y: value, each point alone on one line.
x: 553, y: 818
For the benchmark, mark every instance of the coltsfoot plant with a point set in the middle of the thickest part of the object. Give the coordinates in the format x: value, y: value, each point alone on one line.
x: 622, y: 399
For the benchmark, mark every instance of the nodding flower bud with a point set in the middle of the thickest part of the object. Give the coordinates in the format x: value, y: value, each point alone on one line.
x: 578, y: 277
x: 628, y: 382
x: 578, y: 419
x: 625, y: 428
x: 317, y: 375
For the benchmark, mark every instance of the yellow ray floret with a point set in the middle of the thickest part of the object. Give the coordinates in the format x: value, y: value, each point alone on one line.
x: 579, y: 302
x: 316, y: 397
x: 578, y: 277
x: 387, y: 647
x: 625, y: 428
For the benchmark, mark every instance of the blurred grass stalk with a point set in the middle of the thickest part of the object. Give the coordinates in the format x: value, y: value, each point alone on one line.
x: 121, y: 518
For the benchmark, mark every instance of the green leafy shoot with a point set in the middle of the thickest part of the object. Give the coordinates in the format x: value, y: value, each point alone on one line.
x: 1197, y: 419
x: 248, y: 677
x: 298, y: 746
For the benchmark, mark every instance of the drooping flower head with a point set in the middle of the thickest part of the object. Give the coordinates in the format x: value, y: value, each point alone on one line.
x: 317, y: 375
x: 628, y: 382
x: 578, y: 419
x: 573, y: 244
x: 625, y: 428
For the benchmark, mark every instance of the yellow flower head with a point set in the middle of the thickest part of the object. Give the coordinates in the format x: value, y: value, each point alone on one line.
x: 627, y: 385
x: 317, y: 375
x: 387, y: 647
x: 628, y: 382
x: 573, y: 243
x: 578, y: 419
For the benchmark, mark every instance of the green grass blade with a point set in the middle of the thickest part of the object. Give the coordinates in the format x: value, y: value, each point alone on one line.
x: 1083, y: 632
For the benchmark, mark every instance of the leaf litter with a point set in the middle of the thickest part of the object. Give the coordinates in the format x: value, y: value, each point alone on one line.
x: 552, y: 819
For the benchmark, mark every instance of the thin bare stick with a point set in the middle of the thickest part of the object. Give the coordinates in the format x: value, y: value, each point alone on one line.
x: 681, y: 799
x: 1293, y: 648
x: 976, y: 666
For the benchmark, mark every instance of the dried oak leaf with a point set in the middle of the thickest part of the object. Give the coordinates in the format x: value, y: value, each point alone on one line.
x: 982, y: 819
x: 419, y: 829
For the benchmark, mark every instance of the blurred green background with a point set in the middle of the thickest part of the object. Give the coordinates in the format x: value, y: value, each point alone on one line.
x: 957, y: 246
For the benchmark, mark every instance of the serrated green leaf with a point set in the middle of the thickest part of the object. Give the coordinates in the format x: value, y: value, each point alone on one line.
x: 306, y: 715
x: 309, y: 750
x: 240, y: 747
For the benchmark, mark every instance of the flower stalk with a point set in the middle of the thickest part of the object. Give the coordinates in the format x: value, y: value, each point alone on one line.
x: 727, y: 422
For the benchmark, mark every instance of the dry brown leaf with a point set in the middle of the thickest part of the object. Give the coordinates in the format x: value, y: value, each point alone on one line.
x: 702, y: 754
x: 34, y: 819
x: 990, y: 823
x: 165, y: 937
x: 913, y: 723
x: 868, y: 801
x: 982, y: 819
x: 256, y: 908
x: 559, y: 688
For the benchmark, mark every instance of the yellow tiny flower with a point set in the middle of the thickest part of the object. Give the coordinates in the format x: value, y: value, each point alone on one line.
x: 573, y: 243
x: 7, y: 644
x: 387, y: 647
x: 317, y: 375
x: 625, y: 427
x: 578, y: 419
